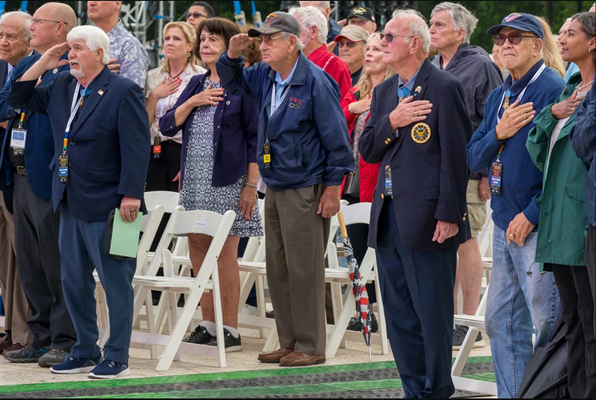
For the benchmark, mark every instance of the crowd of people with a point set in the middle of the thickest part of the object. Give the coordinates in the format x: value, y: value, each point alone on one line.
x: 303, y: 113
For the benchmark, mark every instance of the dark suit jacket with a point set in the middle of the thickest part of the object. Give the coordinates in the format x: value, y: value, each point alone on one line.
x: 6, y: 190
x: 430, y: 179
x: 109, y: 141
x: 39, y: 149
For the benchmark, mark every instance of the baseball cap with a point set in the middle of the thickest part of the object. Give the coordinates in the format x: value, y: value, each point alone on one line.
x: 364, y: 13
x: 277, y: 22
x: 520, y: 21
x: 353, y: 33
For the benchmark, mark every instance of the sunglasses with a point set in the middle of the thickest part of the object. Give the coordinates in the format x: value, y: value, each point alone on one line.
x: 347, y: 43
x: 267, y: 39
x: 196, y: 15
x: 514, y: 38
x: 389, y: 37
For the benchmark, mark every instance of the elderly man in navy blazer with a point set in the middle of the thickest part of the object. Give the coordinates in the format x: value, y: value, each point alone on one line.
x: 418, y: 131
x: 102, y: 147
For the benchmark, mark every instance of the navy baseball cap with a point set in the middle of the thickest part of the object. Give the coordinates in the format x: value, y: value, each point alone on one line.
x: 364, y: 13
x: 520, y: 21
x: 277, y: 22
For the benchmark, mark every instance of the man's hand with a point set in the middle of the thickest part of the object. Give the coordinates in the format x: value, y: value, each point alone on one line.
x: 514, y: 119
x: 519, y: 229
x: 408, y: 112
x: 115, y: 68
x: 566, y: 108
x: 4, y: 124
x: 484, y: 189
x: 237, y: 44
x: 445, y: 231
x: 129, y: 208
x: 330, y: 202
x: 49, y: 60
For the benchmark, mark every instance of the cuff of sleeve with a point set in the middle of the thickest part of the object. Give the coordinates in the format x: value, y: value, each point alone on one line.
x: 484, y: 173
x: 532, y: 212
x: 226, y: 59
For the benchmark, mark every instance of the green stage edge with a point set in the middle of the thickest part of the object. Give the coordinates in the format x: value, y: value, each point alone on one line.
x: 161, y: 380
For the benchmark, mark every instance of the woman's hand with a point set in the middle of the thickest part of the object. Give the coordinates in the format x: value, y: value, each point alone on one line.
x: 360, y: 107
x: 566, y: 108
x: 248, y: 202
x: 177, y: 179
x: 166, y: 88
x: 208, y: 97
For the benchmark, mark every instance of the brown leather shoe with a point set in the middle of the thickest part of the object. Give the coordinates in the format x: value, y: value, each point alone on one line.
x: 14, y: 347
x: 4, y: 344
x: 301, y: 360
x: 275, y: 356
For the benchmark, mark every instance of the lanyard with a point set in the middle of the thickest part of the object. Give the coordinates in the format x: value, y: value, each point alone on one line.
x: 23, y: 112
x: 275, y: 105
x: 523, y: 92
x: 73, y: 111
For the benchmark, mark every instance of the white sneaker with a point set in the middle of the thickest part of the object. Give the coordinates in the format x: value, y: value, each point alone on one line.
x: 250, y: 310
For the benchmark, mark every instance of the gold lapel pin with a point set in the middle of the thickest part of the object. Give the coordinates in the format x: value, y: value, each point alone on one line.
x: 55, y: 71
x: 100, y: 92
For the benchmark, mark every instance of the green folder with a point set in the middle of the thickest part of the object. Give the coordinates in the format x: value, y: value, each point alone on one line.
x: 125, y: 236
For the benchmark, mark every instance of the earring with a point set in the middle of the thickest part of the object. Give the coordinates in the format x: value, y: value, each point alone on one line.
x: 188, y: 55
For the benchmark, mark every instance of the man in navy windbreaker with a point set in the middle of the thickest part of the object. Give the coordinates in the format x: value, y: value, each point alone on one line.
x: 303, y: 154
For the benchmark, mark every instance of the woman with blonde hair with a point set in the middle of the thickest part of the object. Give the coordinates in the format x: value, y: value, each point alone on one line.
x: 550, y: 49
x: 360, y: 185
x: 163, y: 88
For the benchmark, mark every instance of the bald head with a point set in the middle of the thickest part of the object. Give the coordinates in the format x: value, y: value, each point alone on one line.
x: 51, y: 24
x: 593, y: 8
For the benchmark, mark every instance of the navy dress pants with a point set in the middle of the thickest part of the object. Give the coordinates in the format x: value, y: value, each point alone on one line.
x: 417, y: 289
x: 82, y: 252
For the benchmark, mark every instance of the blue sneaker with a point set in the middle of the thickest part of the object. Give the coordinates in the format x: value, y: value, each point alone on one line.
x: 109, y: 370
x: 27, y: 354
x: 76, y: 365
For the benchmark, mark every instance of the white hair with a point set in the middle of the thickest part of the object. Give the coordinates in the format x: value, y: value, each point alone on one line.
x: 322, y: 5
x: 286, y: 36
x: 25, y: 17
x: 94, y: 37
x: 418, y: 26
x: 461, y: 18
x: 309, y: 17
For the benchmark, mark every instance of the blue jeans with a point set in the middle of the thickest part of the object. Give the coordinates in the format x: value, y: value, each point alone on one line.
x: 520, y: 297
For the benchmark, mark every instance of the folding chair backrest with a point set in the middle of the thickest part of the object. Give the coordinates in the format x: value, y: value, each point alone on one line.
x: 252, y: 247
x: 149, y: 227
x: 164, y: 242
x: 169, y: 200
x: 357, y: 213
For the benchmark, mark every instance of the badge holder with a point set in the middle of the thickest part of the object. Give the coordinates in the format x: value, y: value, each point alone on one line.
x: 496, y: 178
x: 388, y: 182
x: 18, y: 138
x: 157, y: 148
x: 267, y: 156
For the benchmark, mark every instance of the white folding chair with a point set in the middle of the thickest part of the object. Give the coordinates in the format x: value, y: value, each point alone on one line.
x: 184, y: 223
x: 356, y: 214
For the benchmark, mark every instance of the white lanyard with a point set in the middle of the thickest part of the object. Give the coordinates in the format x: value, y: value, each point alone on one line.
x: 74, y: 107
x: 523, y: 92
x: 275, y: 105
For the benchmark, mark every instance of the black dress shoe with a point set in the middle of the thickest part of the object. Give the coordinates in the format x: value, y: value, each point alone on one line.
x: 199, y: 336
x: 354, y: 324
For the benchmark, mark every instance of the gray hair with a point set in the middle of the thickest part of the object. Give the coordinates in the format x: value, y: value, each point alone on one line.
x: 286, y: 36
x: 94, y: 37
x: 418, y: 26
x: 309, y: 17
x: 461, y: 18
x: 322, y: 4
x: 27, y: 19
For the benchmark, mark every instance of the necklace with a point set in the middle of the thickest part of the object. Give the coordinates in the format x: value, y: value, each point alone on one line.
x: 174, y: 77
x: 579, y: 88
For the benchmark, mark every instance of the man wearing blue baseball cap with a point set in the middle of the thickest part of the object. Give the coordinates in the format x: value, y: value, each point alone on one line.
x: 520, y: 296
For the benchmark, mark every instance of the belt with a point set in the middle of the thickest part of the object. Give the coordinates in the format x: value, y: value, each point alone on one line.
x: 21, y: 170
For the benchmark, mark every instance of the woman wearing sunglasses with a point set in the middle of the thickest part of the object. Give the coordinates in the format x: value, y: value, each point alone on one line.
x: 564, y: 216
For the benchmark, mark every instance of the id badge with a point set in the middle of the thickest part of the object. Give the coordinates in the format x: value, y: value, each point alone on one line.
x: 18, y: 138
x: 157, y: 148
x: 388, y: 182
x: 267, y: 156
x: 63, y: 169
x: 496, y: 178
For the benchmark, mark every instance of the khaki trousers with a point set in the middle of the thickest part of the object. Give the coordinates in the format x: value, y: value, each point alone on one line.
x: 296, y: 240
x: 15, y: 303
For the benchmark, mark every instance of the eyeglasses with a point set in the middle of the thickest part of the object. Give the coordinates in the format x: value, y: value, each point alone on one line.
x: 267, y: 39
x: 514, y: 38
x: 347, y: 43
x: 389, y: 37
x: 196, y: 15
x: 37, y: 21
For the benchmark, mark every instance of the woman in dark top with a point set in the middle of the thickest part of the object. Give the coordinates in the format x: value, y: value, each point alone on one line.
x: 218, y: 172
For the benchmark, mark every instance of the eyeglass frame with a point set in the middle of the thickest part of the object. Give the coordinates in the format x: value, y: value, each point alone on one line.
x: 196, y: 15
x: 37, y: 21
x: 508, y: 37
x: 350, y: 44
x: 392, y: 36
x: 269, y: 40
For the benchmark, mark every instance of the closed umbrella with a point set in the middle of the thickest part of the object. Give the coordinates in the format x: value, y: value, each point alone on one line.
x: 358, y: 286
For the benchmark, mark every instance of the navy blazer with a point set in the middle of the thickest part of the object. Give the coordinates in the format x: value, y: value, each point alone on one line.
x: 109, y: 144
x: 429, y: 179
x: 6, y: 190
x: 234, y: 133
x: 39, y: 148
